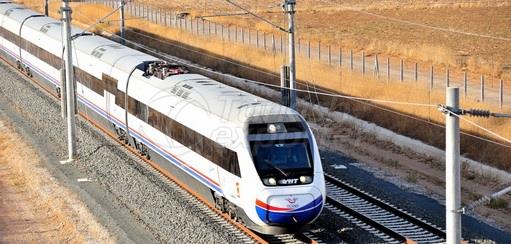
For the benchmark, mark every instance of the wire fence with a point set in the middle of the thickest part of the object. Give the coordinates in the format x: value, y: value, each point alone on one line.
x: 487, y: 89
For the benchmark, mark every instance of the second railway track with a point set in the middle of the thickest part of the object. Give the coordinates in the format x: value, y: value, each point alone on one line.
x: 384, y: 220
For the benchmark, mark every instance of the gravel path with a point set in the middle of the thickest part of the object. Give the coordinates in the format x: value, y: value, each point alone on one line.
x: 131, y: 201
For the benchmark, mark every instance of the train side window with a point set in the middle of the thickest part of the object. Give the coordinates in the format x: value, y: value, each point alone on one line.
x: 177, y: 132
x: 119, y: 99
x: 218, y: 154
x: 199, y: 143
x: 207, y: 149
x: 232, y: 161
x: 89, y: 81
x: 165, y: 125
x: 110, y: 83
x: 141, y: 110
x: 153, y: 118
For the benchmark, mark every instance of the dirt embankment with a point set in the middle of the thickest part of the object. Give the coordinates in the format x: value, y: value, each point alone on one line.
x: 34, y: 207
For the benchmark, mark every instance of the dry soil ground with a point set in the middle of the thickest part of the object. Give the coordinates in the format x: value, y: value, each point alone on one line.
x: 34, y: 208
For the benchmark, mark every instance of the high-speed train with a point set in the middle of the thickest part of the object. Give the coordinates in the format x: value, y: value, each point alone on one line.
x: 252, y: 158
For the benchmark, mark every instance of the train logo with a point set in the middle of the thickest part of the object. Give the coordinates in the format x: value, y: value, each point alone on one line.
x: 291, y: 200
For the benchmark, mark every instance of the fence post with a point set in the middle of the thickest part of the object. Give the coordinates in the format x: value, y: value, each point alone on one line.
x: 236, y: 33
x: 264, y: 40
x: 319, y: 51
x: 465, y: 83
x: 351, y: 59
x: 501, y: 97
x: 203, y: 27
x: 388, y: 69
x: 249, y: 37
x: 376, y: 67
x: 165, y: 20
x: 257, y: 38
x: 482, y: 88
x: 329, y: 55
x: 309, y: 50
x: 299, y: 45
x: 172, y: 20
x: 363, y: 63
x: 431, y: 78
x: 273, y: 43
x: 401, y: 74
x: 340, y: 57
x: 447, y: 80
x: 242, y: 35
x: 228, y: 32
x: 222, y: 31
x: 209, y: 28
x: 416, y: 72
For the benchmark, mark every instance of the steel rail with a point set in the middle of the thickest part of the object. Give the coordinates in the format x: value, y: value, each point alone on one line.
x: 394, y: 232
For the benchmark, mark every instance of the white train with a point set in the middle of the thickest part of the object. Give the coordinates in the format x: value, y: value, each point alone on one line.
x: 255, y: 159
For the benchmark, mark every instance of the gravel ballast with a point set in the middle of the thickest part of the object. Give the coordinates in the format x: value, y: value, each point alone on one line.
x: 135, y: 204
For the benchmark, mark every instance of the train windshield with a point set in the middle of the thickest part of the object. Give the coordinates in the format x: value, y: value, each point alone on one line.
x: 282, y: 161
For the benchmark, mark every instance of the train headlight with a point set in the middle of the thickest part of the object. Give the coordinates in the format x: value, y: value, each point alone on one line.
x: 305, y: 179
x: 276, y: 128
x: 270, y: 181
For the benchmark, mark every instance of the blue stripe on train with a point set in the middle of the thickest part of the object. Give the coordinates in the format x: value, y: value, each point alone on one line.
x: 302, y: 215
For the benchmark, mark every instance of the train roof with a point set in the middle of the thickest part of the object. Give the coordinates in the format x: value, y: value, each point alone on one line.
x: 224, y: 101
x: 227, y: 102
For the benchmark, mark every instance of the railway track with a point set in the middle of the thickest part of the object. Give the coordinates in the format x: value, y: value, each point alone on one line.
x: 391, y: 224
x: 305, y: 237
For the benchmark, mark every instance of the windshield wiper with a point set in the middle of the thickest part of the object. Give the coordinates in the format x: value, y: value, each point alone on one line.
x: 267, y: 162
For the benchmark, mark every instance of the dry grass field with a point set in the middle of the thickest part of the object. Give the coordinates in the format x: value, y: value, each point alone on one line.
x: 348, y: 24
x: 212, y: 52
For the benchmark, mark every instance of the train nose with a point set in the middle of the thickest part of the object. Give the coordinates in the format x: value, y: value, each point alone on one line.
x: 289, y: 208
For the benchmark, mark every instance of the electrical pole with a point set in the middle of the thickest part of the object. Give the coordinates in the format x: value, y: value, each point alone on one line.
x: 289, y: 6
x: 122, y: 22
x: 46, y: 7
x: 70, y: 93
x: 452, y: 167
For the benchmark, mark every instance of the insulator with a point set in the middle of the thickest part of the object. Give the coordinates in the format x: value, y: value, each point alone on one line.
x: 479, y: 113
